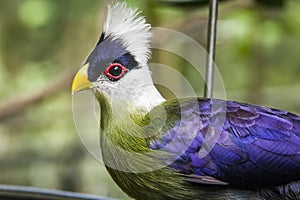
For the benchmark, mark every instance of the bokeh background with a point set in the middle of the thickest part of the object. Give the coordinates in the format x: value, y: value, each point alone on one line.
x: 44, y: 42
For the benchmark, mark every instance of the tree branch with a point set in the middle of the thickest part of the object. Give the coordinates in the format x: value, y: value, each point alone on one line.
x: 13, y: 108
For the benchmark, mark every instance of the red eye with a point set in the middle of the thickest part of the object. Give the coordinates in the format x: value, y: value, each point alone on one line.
x: 115, y: 71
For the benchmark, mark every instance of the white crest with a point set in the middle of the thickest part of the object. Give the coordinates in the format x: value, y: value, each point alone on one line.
x: 125, y: 24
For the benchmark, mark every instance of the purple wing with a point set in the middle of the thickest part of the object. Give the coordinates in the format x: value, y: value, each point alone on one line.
x: 234, y: 143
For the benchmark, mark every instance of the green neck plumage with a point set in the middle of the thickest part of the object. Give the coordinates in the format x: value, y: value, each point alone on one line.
x: 123, y: 126
x: 128, y: 159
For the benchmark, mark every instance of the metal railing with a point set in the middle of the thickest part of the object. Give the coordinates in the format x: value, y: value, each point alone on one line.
x: 8, y: 192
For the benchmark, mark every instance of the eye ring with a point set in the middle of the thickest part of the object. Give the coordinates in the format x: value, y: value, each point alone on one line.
x: 115, y: 71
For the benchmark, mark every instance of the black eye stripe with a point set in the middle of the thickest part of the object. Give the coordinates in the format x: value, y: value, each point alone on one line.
x: 103, y: 55
x: 127, y: 60
x: 106, y: 52
x: 101, y: 38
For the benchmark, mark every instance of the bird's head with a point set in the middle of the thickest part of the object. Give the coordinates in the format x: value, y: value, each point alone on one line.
x: 117, y: 68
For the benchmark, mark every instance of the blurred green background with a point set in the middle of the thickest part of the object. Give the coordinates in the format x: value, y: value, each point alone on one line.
x: 43, y: 43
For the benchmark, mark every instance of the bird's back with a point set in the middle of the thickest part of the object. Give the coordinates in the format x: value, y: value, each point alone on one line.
x: 242, y: 146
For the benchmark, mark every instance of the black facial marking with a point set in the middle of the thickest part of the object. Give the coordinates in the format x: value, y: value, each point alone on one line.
x: 101, y: 38
x: 106, y: 52
x: 102, y: 56
x: 127, y: 60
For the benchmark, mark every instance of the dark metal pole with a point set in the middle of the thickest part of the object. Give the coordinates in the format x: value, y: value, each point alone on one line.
x: 10, y: 192
x: 211, y: 44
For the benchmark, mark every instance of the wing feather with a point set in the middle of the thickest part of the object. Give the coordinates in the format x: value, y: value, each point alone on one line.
x: 256, y: 145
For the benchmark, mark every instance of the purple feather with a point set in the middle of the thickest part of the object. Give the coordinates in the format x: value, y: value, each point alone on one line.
x: 256, y: 145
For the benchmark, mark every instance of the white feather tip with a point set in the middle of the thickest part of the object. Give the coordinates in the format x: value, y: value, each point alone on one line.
x: 125, y: 23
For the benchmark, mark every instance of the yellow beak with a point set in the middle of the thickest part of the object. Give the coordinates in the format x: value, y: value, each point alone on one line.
x: 81, y: 81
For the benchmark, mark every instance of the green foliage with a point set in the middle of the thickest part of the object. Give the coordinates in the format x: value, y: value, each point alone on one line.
x: 35, y: 13
x: 261, y: 48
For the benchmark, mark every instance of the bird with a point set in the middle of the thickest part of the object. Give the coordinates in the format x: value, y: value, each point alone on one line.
x: 182, y: 148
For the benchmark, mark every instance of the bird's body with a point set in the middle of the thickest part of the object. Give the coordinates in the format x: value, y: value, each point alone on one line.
x: 191, y: 148
x: 255, y: 156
